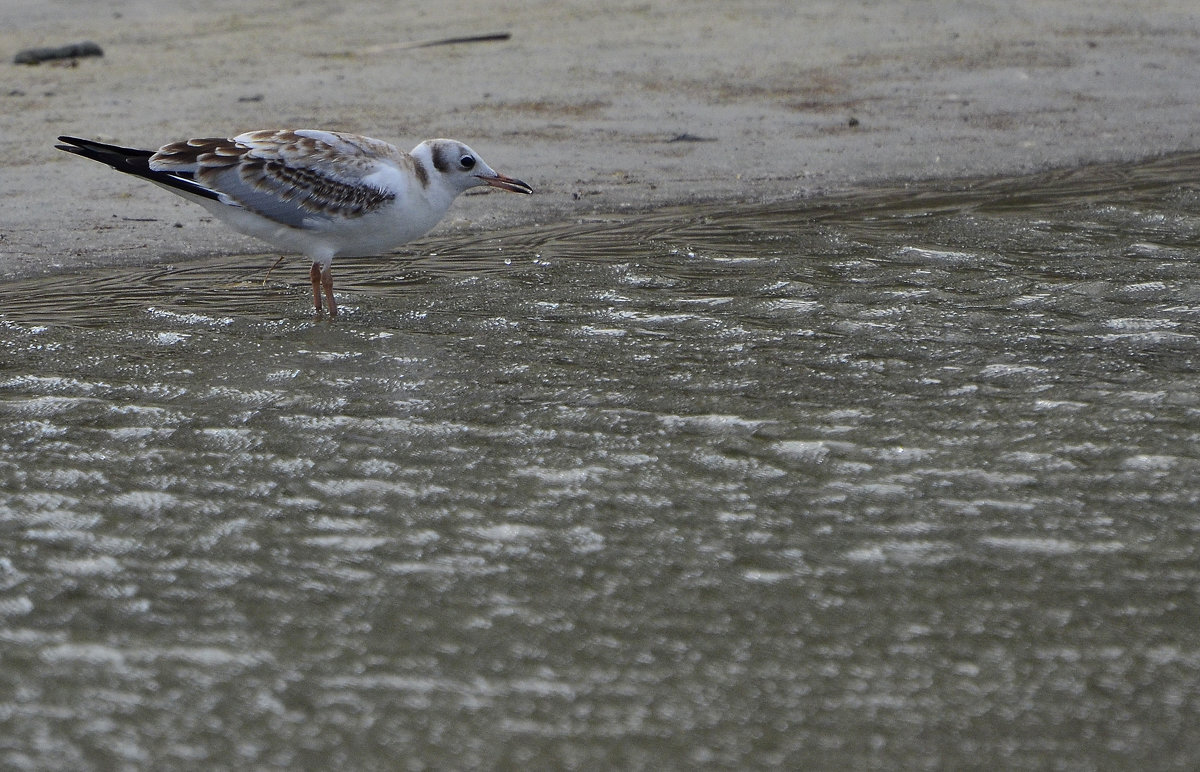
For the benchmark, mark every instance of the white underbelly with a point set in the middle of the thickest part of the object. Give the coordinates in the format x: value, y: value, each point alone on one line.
x: 323, y: 239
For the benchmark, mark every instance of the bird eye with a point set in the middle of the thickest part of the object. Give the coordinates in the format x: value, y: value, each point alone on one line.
x: 467, y: 161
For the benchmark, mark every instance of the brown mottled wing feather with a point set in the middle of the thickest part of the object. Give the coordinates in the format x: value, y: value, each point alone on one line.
x: 290, y: 177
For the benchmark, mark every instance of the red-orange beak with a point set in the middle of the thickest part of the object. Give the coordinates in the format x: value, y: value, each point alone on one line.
x: 505, y: 183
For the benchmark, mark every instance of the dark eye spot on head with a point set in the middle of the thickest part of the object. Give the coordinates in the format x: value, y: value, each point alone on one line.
x: 467, y: 161
x: 440, y: 161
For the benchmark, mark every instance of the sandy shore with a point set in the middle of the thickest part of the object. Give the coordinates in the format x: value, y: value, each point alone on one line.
x: 602, y: 107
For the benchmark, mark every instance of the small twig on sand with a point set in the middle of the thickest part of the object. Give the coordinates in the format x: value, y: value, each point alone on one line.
x: 405, y: 46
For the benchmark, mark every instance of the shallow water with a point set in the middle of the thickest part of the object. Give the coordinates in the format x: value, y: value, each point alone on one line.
x: 903, y: 478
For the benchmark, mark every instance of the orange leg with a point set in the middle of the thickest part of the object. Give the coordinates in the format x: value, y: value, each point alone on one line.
x: 327, y: 285
x: 314, y: 275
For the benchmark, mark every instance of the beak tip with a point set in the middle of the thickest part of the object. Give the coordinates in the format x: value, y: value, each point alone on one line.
x: 510, y: 184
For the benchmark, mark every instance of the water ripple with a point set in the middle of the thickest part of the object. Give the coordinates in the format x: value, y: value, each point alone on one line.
x: 912, y: 467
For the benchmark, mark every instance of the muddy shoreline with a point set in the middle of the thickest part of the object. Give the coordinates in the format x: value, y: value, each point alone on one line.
x: 622, y: 108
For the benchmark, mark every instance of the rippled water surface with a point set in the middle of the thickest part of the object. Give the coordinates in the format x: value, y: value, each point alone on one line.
x: 904, y: 478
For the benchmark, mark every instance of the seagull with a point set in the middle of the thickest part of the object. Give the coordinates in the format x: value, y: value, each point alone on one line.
x: 322, y: 194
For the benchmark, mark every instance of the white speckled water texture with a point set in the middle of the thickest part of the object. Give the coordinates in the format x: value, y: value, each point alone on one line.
x: 900, y: 479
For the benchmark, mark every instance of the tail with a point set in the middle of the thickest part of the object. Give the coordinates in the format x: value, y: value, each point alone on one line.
x: 136, y: 162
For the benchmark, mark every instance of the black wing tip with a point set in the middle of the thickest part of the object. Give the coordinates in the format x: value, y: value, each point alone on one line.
x: 93, y: 149
x: 125, y: 159
x: 72, y: 144
x: 135, y: 162
x: 72, y: 148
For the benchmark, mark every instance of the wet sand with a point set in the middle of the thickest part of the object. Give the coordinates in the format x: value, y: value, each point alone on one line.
x: 603, y: 108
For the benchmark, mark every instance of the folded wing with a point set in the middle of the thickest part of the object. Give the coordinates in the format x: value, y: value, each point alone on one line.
x: 295, y: 178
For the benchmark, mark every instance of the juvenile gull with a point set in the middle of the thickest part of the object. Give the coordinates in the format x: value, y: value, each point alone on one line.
x: 319, y: 193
